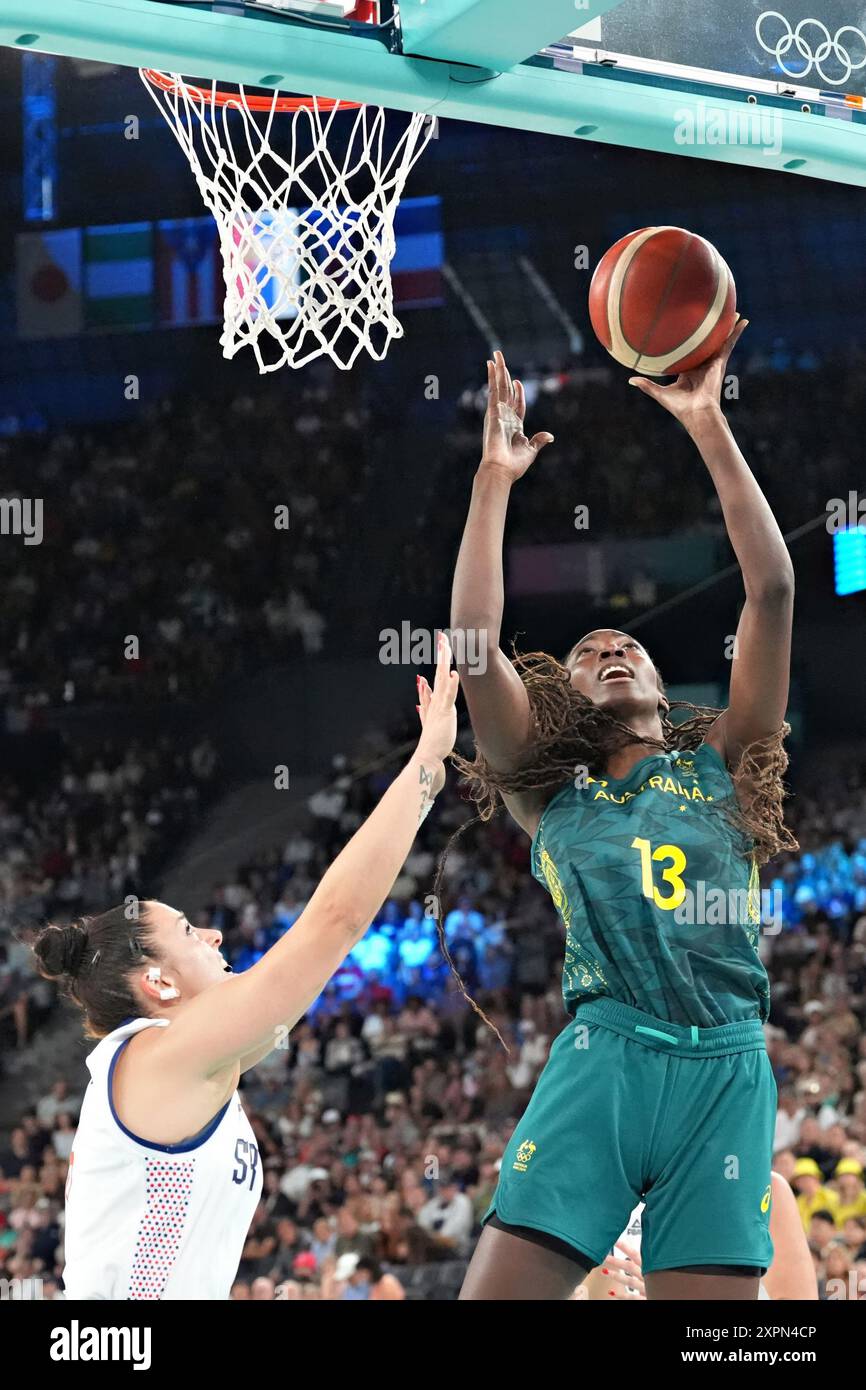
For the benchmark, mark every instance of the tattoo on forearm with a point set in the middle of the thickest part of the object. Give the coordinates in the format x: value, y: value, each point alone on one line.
x: 426, y: 780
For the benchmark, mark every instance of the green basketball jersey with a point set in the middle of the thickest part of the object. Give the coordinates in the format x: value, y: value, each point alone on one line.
x: 661, y: 906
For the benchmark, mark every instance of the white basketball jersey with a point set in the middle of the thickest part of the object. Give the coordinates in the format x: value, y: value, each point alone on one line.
x: 151, y: 1221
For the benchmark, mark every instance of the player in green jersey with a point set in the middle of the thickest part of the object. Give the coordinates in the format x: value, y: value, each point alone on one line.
x: 648, y: 836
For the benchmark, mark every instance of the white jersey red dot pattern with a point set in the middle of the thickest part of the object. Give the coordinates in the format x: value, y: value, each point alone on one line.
x: 145, y: 1221
x: 168, y: 1188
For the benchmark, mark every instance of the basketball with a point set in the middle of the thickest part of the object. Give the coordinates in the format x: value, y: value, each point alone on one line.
x: 662, y: 300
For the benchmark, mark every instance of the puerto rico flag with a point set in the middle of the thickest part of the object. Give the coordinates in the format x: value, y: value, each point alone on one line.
x: 189, y: 272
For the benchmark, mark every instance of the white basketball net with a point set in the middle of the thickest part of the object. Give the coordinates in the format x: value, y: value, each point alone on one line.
x: 307, y: 234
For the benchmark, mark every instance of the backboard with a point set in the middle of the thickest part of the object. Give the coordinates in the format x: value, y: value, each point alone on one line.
x: 816, y: 46
x: 730, y: 80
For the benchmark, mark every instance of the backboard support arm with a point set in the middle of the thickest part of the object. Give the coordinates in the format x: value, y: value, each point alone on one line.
x: 573, y: 100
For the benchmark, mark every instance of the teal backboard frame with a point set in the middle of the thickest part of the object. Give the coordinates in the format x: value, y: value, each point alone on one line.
x: 491, y: 61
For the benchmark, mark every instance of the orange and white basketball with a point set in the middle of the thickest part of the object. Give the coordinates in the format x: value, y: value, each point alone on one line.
x: 662, y: 300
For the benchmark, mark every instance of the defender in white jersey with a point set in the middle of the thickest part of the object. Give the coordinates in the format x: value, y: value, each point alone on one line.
x: 179, y: 1213
x: 164, y: 1174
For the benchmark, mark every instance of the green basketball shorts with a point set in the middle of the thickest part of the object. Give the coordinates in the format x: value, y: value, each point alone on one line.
x: 631, y: 1108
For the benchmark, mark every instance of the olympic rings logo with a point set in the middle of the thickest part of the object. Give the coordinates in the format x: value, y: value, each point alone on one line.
x: 828, y: 45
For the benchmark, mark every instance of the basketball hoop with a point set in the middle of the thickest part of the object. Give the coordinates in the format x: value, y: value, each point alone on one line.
x: 306, y: 229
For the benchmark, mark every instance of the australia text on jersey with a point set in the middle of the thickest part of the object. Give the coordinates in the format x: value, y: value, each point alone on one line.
x: 668, y: 785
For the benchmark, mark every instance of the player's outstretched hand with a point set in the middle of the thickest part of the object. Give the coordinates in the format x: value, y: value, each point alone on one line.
x: 699, y: 391
x: 437, y: 711
x: 506, y: 448
x: 619, y: 1276
x: 626, y: 1273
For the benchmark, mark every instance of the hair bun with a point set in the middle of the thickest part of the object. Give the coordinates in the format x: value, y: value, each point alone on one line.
x: 61, y: 951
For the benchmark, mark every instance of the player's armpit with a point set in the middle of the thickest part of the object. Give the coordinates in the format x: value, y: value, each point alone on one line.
x: 258, y: 1054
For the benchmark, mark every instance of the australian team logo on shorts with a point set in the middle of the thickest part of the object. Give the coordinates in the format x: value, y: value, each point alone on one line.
x: 765, y: 1200
x: 524, y: 1154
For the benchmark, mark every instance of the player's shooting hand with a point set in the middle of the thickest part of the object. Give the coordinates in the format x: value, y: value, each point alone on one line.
x: 506, y: 448
x: 695, y: 394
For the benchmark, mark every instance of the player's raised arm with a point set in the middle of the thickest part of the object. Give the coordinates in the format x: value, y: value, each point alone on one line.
x: 496, y: 697
x: 239, y: 1016
x: 762, y: 654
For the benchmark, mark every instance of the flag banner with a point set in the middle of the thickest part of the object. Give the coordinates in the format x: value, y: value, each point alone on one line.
x: 269, y: 268
x: 48, y: 278
x: 189, y: 272
x: 118, y: 276
x: 416, y: 270
x: 170, y: 273
x: 416, y: 267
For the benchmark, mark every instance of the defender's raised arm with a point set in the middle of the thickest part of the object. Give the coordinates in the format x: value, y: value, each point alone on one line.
x: 216, y: 1029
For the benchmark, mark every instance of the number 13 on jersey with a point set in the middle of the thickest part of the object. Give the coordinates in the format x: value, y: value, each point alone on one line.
x: 671, y: 875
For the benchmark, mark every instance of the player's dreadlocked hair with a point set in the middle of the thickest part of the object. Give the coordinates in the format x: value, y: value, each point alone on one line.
x: 572, y: 733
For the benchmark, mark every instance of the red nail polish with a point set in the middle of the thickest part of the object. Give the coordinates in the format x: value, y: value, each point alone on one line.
x: 605, y: 1271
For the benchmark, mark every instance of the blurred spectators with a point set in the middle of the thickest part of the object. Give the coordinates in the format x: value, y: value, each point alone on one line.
x: 102, y: 829
x: 168, y: 530
x: 624, y: 462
